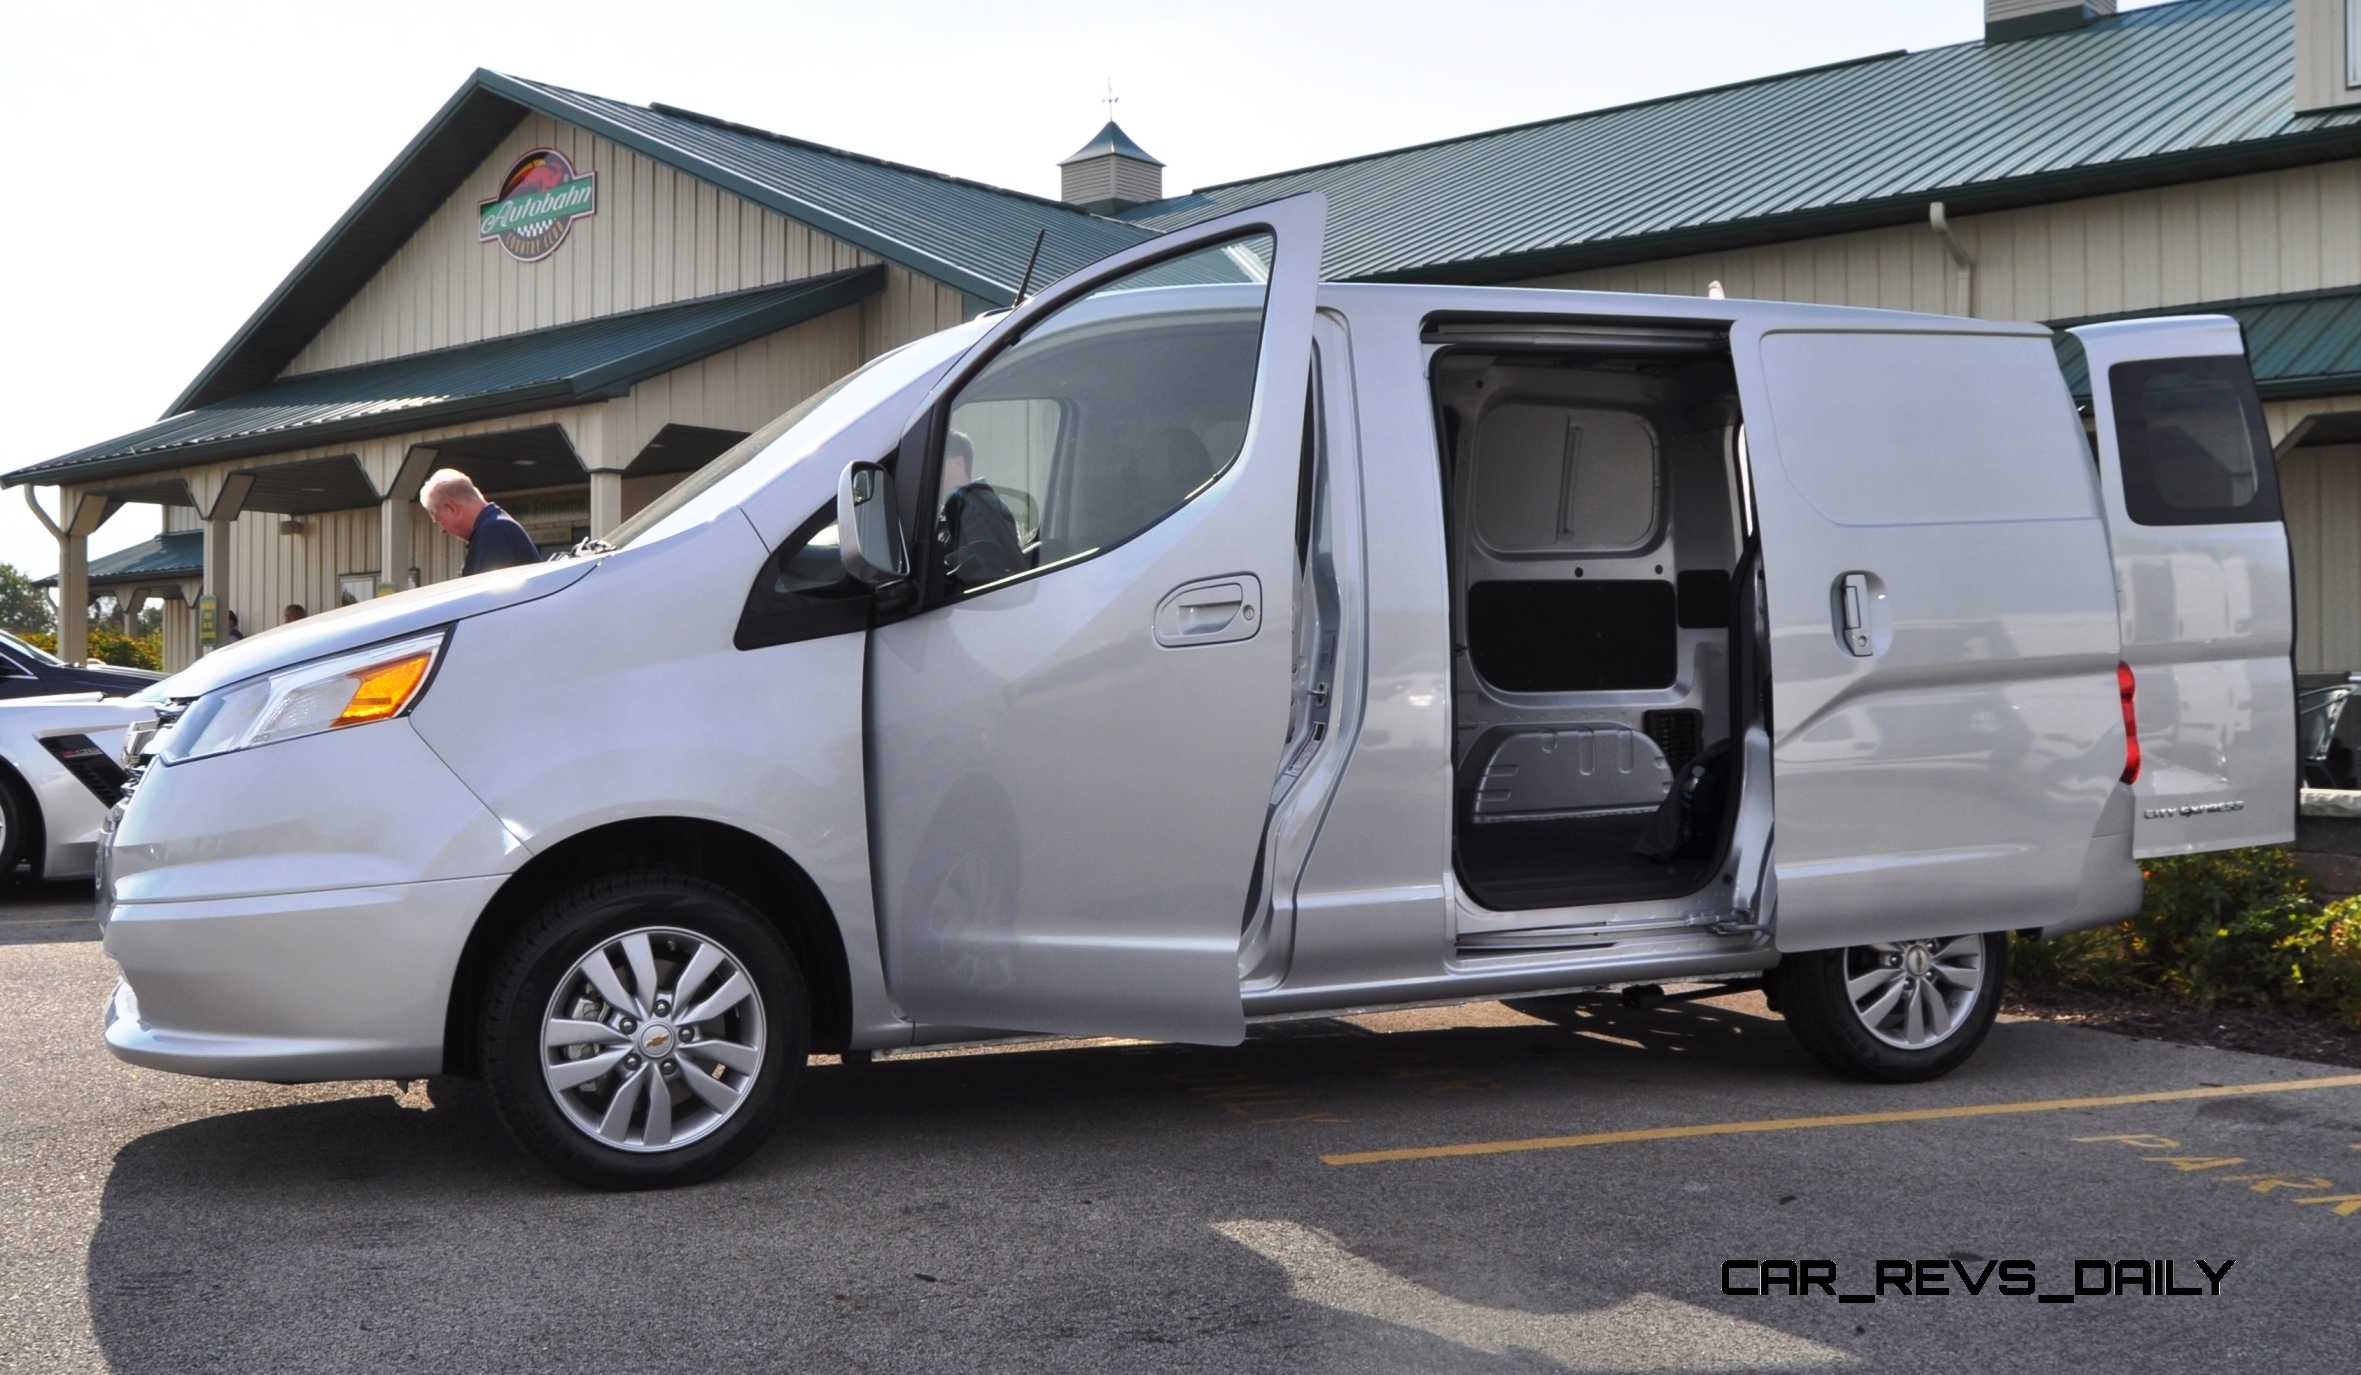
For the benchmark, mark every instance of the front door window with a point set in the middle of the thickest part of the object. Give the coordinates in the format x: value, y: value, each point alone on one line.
x: 1105, y: 418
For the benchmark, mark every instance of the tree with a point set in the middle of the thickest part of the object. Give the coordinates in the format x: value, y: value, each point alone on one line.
x: 23, y: 607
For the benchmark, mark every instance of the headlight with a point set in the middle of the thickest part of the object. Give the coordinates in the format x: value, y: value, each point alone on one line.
x: 373, y: 684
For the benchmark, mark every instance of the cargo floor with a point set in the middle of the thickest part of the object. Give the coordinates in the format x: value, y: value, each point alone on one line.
x: 1517, y: 865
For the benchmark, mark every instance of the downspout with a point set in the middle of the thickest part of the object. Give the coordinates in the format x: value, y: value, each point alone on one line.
x: 51, y: 525
x: 1963, y: 266
x: 34, y: 502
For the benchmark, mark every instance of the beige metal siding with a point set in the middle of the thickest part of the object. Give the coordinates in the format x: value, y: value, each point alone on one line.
x: 1081, y: 183
x: 180, y: 634
x: 2321, y: 489
x: 743, y: 388
x: 2292, y: 230
x: 2258, y: 235
x: 659, y: 236
x: 2323, y: 74
x: 1138, y: 181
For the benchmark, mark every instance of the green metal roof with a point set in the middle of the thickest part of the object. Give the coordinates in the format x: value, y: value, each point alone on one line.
x: 965, y: 234
x: 1111, y: 139
x: 2302, y: 345
x: 179, y: 554
x: 560, y: 366
x: 971, y: 235
x: 2173, y: 92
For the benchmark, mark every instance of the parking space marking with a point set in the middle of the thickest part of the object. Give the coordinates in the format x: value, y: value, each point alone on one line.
x: 1851, y: 1119
x: 2319, y: 1187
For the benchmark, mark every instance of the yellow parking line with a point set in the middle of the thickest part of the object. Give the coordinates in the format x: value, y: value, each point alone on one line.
x: 1850, y: 1119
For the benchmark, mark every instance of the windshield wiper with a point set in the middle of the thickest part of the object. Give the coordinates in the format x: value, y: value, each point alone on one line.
x: 588, y: 547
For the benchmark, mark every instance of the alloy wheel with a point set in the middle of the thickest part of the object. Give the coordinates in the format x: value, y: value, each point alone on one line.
x: 1913, y: 994
x: 653, y: 1039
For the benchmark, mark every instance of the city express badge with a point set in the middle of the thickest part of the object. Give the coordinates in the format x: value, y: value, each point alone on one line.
x: 539, y: 200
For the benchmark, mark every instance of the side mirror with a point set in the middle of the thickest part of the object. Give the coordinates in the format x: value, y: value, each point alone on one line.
x: 868, y: 533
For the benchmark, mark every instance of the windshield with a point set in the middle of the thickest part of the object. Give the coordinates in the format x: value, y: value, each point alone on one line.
x: 23, y: 650
x: 729, y: 479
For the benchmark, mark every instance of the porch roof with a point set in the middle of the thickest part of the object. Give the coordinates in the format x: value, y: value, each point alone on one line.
x: 2304, y: 344
x: 540, y: 369
x: 174, y: 554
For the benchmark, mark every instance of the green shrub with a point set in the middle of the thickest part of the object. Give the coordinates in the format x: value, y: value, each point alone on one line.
x: 2235, y: 927
x: 2211, y: 925
x: 110, y: 645
x: 2324, y: 960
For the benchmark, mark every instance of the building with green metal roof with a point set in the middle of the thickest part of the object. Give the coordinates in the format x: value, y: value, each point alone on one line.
x: 578, y: 298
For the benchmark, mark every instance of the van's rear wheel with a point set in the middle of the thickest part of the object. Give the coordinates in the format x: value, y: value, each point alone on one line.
x: 1894, y: 1011
x: 646, y: 1030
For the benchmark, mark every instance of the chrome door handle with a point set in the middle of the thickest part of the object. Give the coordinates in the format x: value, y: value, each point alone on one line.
x: 1210, y: 611
x: 1852, y: 609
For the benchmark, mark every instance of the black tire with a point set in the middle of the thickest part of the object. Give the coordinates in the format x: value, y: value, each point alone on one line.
x: 1809, y: 991
x: 15, y: 813
x: 526, y: 977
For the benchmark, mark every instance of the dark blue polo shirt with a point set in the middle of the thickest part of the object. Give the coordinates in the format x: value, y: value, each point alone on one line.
x: 497, y: 541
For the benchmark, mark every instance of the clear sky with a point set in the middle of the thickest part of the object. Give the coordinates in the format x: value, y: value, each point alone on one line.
x: 171, y: 162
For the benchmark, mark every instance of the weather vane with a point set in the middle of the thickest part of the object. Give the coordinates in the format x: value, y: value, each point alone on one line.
x: 1109, y: 100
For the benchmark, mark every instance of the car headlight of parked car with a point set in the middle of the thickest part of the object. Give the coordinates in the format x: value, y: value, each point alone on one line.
x: 351, y: 689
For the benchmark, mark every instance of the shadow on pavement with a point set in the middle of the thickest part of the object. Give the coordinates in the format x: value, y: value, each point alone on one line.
x: 1070, y: 1209
x: 40, y: 913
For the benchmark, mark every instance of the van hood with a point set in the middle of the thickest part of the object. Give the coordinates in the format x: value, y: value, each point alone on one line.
x: 366, y: 623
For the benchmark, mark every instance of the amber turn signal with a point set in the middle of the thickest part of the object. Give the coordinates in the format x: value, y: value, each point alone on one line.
x: 384, y: 690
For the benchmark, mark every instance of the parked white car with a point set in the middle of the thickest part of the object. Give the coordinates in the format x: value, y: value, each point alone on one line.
x: 1201, y: 643
x: 61, y: 768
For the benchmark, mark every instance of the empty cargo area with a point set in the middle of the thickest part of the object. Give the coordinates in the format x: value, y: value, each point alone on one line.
x: 1596, y: 532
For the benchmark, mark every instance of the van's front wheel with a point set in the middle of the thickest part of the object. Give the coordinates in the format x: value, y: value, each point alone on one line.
x: 1894, y: 1011
x: 645, y: 1030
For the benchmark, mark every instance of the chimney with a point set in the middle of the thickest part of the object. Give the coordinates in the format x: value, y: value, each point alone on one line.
x: 1110, y: 173
x: 2008, y: 19
x: 2327, y: 55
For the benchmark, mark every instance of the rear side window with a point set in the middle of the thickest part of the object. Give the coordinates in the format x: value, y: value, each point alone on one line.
x: 2194, y: 448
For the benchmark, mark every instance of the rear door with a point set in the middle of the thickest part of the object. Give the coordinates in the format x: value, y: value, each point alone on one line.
x: 2201, y: 570
x: 1945, y: 731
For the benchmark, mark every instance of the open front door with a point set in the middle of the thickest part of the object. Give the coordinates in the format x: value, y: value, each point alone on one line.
x: 1945, y: 730
x: 2201, y: 566
x: 1074, y: 732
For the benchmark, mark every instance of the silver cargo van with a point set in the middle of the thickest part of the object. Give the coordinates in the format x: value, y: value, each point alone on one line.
x: 1200, y: 643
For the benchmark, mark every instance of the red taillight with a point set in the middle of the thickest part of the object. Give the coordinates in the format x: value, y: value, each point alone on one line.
x: 2127, y: 688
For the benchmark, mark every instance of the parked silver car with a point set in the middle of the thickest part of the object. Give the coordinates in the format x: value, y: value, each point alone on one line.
x: 61, y: 768
x: 1200, y: 643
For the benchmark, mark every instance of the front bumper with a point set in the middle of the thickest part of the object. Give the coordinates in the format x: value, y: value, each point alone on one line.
x: 347, y: 983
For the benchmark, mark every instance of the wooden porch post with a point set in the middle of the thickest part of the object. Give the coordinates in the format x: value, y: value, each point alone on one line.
x: 80, y: 513
x: 220, y: 497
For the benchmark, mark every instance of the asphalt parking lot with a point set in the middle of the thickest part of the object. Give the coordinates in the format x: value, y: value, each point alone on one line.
x: 1552, y: 1187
